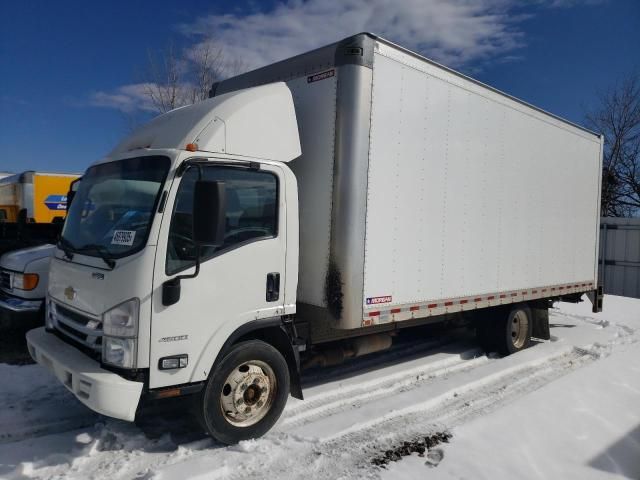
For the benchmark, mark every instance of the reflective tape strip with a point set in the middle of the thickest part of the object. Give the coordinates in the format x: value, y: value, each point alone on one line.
x: 407, y: 312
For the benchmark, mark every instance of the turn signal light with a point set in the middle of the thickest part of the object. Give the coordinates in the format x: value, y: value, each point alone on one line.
x: 30, y: 281
x: 171, y: 392
x: 25, y: 281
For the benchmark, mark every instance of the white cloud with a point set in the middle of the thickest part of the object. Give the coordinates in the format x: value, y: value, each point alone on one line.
x: 458, y: 33
x: 127, y: 98
x: 455, y: 32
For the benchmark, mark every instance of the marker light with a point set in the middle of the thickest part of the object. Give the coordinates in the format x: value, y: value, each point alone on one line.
x: 177, y: 361
x: 25, y: 281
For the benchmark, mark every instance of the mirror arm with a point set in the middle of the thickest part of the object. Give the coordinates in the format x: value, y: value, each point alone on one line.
x: 195, y: 272
x: 171, y: 288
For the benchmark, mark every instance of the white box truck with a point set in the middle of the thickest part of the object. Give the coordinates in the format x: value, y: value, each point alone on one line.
x: 303, y: 214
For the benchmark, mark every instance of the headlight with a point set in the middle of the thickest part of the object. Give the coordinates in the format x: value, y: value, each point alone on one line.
x: 122, y: 321
x: 120, y: 352
x: 120, y: 332
x: 25, y: 281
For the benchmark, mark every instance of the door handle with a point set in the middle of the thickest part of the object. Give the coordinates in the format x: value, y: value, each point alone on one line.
x: 273, y: 286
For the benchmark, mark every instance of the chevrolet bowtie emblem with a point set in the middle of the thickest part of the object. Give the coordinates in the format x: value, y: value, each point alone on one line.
x: 70, y: 293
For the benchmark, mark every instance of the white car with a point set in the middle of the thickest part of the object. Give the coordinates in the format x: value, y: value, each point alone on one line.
x: 23, y: 282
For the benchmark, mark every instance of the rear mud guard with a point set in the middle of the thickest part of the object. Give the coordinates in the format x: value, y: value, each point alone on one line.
x: 540, y: 319
x: 596, y: 296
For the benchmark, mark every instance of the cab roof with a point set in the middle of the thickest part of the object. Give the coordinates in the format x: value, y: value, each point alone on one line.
x: 258, y: 122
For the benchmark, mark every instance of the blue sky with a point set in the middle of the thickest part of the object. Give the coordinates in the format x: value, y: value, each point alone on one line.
x: 59, y: 58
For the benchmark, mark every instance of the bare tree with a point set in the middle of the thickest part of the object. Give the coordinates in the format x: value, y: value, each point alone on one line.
x: 618, y: 118
x: 208, y: 67
x: 164, y: 80
x: 175, y: 79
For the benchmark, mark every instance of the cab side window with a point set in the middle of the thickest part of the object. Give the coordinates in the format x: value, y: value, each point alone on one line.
x: 251, y: 213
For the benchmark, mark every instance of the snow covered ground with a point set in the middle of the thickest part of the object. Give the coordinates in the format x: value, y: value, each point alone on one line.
x: 567, y: 408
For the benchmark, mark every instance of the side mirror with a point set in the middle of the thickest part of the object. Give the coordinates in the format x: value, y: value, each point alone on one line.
x: 171, y: 292
x: 70, y: 195
x: 209, y: 218
x: 209, y: 213
x: 73, y: 188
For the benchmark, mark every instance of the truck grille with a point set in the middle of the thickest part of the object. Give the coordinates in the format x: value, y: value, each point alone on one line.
x: 5, y: 280
x: 80, y: 327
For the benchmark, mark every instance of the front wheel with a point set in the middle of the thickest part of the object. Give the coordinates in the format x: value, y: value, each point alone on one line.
x: 245, y: 394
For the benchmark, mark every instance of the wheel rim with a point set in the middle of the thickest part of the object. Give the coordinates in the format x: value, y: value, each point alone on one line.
x: 248, y: 393
x: 519, y: 329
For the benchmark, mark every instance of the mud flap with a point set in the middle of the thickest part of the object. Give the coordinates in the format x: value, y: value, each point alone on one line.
x: 293, y: 357
x: 596, y: 296
x: 540, y: 318
x: 295, y: 387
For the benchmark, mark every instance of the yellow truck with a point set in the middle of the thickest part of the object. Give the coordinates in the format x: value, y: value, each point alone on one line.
x: 42, y: 194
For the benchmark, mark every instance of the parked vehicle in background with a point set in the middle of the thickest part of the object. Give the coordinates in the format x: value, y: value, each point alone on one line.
x: 14, y: 236
x: 32, y: 208
x: 23, y: 285
x: 301, y: 216
x: 42, y: 194
x: 24, y: 272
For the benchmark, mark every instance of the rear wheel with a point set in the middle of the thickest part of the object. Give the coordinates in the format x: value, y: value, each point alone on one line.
x: 519, y: 330
x: 246, y: 393
x: 507, y: 330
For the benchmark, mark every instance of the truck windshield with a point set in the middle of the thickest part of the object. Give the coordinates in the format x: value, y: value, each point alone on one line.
x: 111, y: 214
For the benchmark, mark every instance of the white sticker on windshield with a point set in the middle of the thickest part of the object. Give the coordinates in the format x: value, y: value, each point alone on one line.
x: 123, y: 237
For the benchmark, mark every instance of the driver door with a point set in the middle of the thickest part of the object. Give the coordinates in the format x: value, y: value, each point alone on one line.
x: 231, y: 288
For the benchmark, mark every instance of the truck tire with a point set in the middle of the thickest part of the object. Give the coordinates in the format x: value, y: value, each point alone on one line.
x: 245, y: 394
x: 513, y: 331
x: 506, y: 330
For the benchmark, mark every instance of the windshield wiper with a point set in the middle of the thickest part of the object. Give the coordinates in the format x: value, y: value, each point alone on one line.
x: 66, y: 246
x: 102, y: 252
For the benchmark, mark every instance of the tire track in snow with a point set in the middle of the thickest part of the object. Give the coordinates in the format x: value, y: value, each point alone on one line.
x: 354, y: 395
x: 476, y: 398
x: 401, y: 352
x: 345, y: 449
x: 21, y: 430
x: 31, y: 420
x: 349, y: 450
x: 599, y: 322
x: 72, y: 415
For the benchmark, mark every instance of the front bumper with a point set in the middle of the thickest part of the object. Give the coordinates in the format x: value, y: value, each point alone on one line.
x: 12, y: 304
x: 99, y: 389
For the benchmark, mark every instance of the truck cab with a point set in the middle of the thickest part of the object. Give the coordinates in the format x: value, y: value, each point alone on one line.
x: 140, y: 302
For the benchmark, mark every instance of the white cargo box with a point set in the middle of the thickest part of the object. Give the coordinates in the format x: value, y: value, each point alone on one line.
x: 424, y: 192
